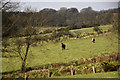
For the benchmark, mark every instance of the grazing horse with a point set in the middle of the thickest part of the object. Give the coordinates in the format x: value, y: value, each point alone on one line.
x: 63, y: 46
x: 93, y: 40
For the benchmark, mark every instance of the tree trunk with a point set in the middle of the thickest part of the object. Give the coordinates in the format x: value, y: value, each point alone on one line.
x: 23, y: 68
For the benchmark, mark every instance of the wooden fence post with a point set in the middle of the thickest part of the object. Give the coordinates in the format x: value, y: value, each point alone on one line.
x: 93, y: 69
x: 49, y: 74
x: 72, y: 70
x: 25, y: 76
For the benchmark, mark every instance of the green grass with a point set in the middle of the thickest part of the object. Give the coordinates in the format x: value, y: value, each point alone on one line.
x: 52, y: 53
x: 90, y: 30
x: 92, y: 75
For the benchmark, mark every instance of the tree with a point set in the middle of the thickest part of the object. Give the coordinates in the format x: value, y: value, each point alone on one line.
x: 29, y: 30
x: 7, y: 8
x: 8, y: 5
x: 47, y: 17
x: 115, y: 22
x: 62, y: 9
x: 72, y: 10
x: 21, y: 45
x: 86, y: 9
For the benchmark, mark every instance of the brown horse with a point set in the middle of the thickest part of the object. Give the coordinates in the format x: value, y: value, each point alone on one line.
x: 63, y: 46
x: 93, y: 40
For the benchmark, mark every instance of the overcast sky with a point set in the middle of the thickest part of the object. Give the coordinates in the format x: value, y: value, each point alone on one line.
x: 67, y: 0
x: 79, y: 4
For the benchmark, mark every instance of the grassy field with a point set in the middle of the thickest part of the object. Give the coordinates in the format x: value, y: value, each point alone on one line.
x: 90, y: 30
x: 97, y: 75
x: 52, y: 53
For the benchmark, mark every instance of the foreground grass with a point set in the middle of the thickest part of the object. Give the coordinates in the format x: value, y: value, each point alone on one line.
x: 52, y: 53
x: 96, y: 75
x: 76, y: 49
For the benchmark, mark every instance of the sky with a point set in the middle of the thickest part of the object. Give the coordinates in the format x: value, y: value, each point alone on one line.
x: 67, y: 0
x: 79, y: 4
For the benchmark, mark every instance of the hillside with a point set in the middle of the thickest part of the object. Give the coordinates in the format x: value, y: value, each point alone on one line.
x: 52, y: 52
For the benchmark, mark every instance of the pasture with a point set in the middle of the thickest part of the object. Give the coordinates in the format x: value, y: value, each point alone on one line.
x: 53, y: 53
x: 85, y: 31
x: 90, y: 30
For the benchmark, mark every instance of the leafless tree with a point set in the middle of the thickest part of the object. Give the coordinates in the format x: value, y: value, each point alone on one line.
x: 8, y: 5
x: 23, y: 46
x: 29, y: 31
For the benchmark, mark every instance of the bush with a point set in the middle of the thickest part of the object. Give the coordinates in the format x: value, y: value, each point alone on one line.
x: 57, y: 74
x: 98, y: 30
x: 107, y: 66
x: 74, y: 27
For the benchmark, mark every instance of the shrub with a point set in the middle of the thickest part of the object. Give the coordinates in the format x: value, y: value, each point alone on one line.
x: 57, y: 74
x: 74, y: 27
x: 107, y: 66
x: 98, y: 30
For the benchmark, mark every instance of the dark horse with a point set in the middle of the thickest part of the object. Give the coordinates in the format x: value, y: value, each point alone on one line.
x: 63, y: 46
x: 93, y: 40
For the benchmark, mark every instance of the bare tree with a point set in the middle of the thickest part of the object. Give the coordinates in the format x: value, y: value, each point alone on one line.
x: 29, y: 30
x: 8, y: 5
x: 23, y: 46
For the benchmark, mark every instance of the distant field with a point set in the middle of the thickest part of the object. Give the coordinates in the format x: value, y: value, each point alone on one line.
x: 52, y: 53
x: 96, y: 75
x: 90, y: 30
x: 82, y: 31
